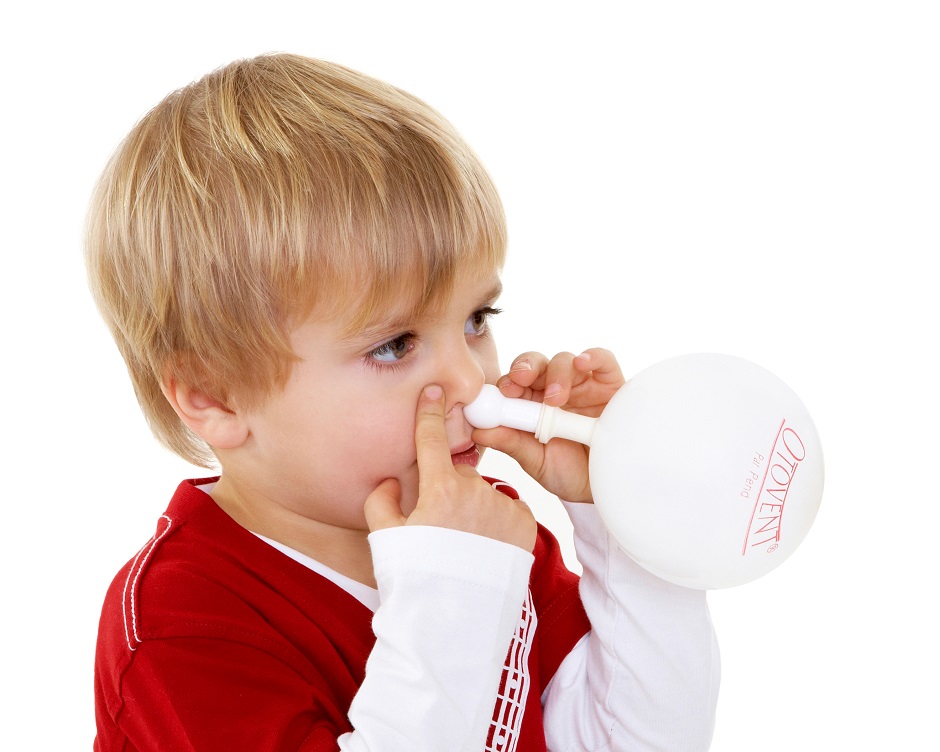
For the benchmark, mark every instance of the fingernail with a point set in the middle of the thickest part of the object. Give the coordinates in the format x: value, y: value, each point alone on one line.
x: 584, y: 356
x: 521, y: 365
x: 433, y: 392
x: 552, y: 390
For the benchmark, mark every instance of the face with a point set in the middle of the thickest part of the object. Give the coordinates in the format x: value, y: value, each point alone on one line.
x: 345, y: 420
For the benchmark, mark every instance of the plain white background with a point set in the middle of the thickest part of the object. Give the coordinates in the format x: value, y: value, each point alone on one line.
x: 754, y: 178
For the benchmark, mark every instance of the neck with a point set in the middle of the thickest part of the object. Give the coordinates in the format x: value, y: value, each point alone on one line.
x: 343, y: 549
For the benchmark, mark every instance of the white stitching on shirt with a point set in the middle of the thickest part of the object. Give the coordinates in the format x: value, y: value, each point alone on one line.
x: 504, y: 730
x: 134, y: 573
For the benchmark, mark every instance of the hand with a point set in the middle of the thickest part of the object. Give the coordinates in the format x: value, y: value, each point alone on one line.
x: 449, y: 496
x: 580, y: 384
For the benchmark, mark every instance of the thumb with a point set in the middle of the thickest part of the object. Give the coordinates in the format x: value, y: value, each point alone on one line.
x: 383, y: 506
x: 522, y: 446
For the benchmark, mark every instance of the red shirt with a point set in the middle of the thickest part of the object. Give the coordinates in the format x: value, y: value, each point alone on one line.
x: 211, y: 639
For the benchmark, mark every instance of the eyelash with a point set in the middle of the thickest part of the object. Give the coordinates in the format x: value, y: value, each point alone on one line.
x: 486, y: 313
x: 407, y: 339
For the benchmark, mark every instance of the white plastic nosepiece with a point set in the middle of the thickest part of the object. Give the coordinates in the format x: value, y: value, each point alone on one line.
x: 491, y: 409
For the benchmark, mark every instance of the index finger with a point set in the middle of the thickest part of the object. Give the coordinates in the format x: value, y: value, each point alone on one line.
x: 602, y: 365
x: 430, y: 435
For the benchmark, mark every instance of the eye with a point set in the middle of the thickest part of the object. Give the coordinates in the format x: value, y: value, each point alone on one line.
x: 393, y: 350
x: 478, y: 323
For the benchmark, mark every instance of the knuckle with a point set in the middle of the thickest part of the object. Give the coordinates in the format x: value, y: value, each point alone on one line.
x: 561, y: 363
x: 430, y: 440
x: 430, y: 417
x: 446, y: 486
x: 536, y: 360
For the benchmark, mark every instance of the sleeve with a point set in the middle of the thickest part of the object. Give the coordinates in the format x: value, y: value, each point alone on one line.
x: 646, y: 677
x: 445, y: 622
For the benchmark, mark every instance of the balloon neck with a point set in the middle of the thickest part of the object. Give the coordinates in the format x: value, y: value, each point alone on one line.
x: 491, y: 409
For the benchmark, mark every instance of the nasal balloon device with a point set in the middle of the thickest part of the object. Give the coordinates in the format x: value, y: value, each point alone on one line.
x: 706, y: 469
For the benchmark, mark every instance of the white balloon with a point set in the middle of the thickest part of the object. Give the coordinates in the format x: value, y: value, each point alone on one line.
x: 706, y: 469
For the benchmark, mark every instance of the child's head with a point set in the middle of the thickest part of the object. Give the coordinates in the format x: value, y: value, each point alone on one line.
x: 271, y: 190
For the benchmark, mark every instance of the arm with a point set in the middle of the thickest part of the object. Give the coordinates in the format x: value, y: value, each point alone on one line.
x: 442, y: 631
x: 435, y: 674
x: 646, y: 677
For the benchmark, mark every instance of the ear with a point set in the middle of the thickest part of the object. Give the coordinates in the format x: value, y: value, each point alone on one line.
x: 213, y: 422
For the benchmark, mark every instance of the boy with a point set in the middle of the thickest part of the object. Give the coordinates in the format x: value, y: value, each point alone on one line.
x: 299, y: 264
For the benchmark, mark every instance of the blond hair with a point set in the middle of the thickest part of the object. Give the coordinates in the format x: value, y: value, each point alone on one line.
x: 270, y: 189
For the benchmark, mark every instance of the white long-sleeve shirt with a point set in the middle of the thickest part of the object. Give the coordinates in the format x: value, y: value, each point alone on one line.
x: 644, y: 678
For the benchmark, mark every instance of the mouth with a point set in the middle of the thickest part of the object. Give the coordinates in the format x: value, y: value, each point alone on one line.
x: 469, y: 456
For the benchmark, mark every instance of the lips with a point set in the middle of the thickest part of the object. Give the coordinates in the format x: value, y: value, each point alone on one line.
x: 469, y: 456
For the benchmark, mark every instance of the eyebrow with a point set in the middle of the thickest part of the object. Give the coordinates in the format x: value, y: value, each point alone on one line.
x: 405, y: 322
x: 493, y: 294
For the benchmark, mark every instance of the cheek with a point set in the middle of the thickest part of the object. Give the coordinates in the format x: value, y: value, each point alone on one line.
x: 383, y: 440
x: 386, y: 449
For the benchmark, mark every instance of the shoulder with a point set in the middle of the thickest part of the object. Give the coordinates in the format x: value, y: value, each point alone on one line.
x: 203, y: 575
x: 178, y: 584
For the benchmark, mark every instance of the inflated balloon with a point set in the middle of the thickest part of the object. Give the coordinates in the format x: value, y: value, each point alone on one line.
x: 706, y: 469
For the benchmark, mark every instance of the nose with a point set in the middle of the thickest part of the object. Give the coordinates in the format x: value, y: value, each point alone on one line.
x: 462, y: 377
